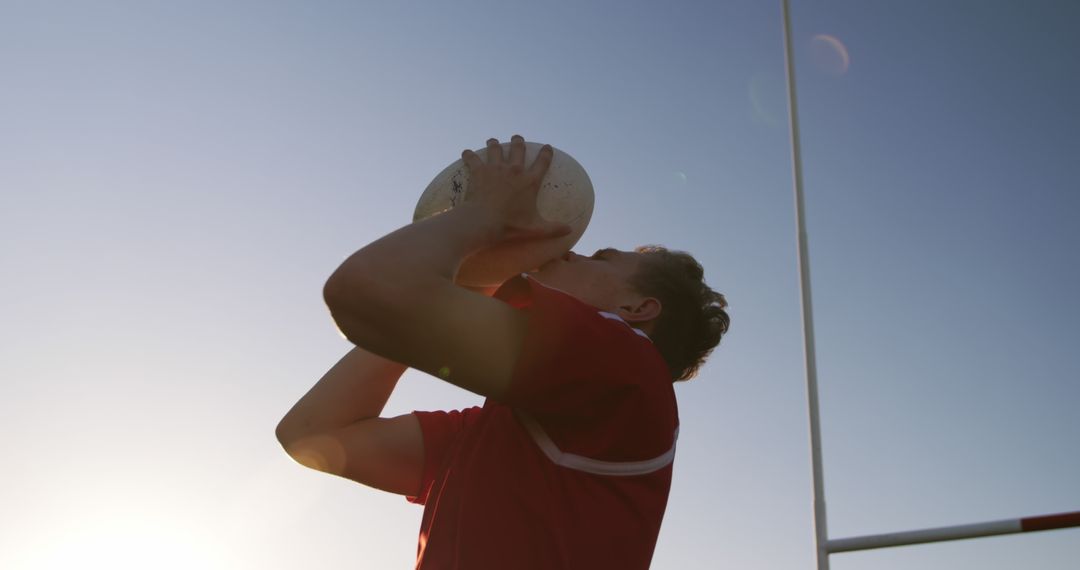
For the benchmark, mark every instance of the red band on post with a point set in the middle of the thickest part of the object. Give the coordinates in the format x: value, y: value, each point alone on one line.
x: 1048, y: 522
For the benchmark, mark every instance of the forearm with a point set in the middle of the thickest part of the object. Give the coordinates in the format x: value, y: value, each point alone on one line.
x: 354, y: 389
x: 358, y: 386
x: 412, y: 257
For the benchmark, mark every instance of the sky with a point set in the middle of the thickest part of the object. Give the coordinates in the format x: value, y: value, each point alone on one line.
x: 178, y: 179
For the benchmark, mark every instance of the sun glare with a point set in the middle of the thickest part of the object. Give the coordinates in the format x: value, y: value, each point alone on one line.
x: 127, y: 543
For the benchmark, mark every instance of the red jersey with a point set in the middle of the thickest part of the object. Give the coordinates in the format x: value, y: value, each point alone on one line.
x: 572, y: 469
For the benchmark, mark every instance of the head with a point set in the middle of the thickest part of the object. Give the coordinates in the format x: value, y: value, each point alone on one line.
x: 659, y: 291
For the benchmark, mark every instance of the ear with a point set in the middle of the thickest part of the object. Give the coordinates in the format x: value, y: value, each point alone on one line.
x: 641, y: 311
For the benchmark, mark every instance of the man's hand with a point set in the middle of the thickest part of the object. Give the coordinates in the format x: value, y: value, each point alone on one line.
x: 508, y: 190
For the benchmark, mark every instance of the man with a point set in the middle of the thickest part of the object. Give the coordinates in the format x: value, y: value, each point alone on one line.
x: 568, y: 463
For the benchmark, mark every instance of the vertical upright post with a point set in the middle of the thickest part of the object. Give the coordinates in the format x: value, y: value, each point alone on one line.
x: 820, y: 530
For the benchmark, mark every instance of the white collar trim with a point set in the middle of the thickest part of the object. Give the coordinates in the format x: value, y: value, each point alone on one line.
x: 621, y: 320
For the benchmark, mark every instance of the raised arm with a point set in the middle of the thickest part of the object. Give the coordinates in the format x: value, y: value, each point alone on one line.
x: 396, y: 296
x: 336, y: 426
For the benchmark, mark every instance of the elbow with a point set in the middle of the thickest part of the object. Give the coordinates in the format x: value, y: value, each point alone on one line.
x: 292, y: 441
x: 351, y: 296
x: 294, y: 427
x: 281, y: 432
x: 334, y: 293
x: 355, y: 309
x: 318, y: 451
x: 346, y: 287
x: 286, y: 433
x: 343, y: 301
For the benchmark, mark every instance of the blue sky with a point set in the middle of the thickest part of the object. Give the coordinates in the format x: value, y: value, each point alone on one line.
x: 177, y: 180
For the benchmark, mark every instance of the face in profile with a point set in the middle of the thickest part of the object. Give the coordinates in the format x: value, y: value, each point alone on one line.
x: 601, y: 280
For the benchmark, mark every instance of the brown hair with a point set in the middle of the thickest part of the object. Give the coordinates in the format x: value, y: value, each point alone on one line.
x: 692, y: 318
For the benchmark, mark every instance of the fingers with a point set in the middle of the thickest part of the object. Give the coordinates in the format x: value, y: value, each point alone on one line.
x: 471, y: 160
x: 543, y: 161
x: 517, y: 151
x: 494, y: 151
x: 516, y: 159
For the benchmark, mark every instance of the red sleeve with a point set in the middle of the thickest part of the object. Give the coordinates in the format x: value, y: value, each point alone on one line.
x: 576, y: 361
x: 439, y: 431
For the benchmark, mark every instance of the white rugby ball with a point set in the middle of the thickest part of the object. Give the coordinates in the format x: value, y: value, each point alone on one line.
x: 566, y: 195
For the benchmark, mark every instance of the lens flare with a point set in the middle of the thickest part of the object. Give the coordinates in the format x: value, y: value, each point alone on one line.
x: 829, y: 54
